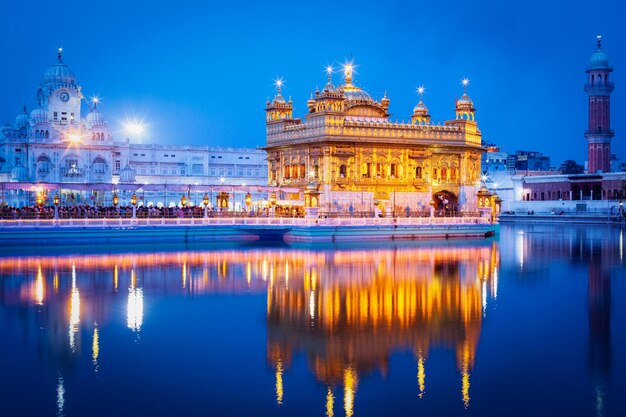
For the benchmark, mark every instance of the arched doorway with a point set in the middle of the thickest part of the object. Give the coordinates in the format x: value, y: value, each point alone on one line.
x: 575, y: 192
x: 445, y: 203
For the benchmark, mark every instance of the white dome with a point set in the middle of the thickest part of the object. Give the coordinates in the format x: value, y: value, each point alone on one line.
x: 21, y: 120
x: 39, y: 115
x: 95, y: 118
x: 19, y: 173
x: 59, y: 73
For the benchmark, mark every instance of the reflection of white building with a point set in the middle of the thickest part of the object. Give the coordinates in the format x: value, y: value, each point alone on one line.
x: 54, y: 144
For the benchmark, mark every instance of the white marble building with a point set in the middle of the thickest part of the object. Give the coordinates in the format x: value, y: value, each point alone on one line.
x: 55, y: 144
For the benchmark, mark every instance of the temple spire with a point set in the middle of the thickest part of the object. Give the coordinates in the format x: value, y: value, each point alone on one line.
x: 60, y: 54
x: 599, y: 38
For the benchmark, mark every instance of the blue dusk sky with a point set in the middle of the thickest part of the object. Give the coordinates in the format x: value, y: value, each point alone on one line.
x: 199, y: 72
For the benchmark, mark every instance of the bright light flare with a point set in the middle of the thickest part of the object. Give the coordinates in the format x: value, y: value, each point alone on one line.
x: 134, y: 128
x: 278, y: 82
x: 74, y: 137
x: 329, y: 69
x: 95, y: 99
x: 420, y: 90
x: 465, y: 82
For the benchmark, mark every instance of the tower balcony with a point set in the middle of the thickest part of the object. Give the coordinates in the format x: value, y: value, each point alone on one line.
x: 608, y: 133
x: 604, y: 89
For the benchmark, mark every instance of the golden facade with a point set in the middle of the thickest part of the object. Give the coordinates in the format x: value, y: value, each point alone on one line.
x: 349, y: 149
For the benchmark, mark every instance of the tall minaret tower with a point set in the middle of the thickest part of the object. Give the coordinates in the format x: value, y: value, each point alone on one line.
x: 599, y: 133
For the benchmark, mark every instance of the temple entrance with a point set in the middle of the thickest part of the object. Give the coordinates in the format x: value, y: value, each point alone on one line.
x: 445, y: 202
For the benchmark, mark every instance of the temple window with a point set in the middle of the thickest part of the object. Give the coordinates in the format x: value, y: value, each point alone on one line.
x: 394, y: 171
x: 342, y: 171
x: 444, y: 173
x: 434, y: 173
x: 418, y: 172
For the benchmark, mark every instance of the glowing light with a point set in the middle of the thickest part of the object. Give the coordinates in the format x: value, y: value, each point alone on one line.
x: 484, y: 297
x: 420, y: 90
x: 330, y: 403
x: 60, y: 394
x: 421, y: 375
x: 465, y: 82
x: 95, y: 349
x: 495, y: 283
x: 74, y: 309
x: 39, y: 287
x: 312, y: 305
x: 350, y: 381
x: 279, y: 382
x: 134, y: 308
x: 95, y: 99
x: 134, y: 128
x: 465, y: 386
x: 278, y: 83
x: 74, y: 137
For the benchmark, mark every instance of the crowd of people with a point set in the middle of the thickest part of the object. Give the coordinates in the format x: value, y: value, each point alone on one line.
x: 99, y: 212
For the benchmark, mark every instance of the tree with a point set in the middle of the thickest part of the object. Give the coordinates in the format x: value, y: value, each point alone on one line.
x: 571, y: 167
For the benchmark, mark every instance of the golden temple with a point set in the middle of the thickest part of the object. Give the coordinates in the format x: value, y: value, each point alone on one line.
x: 347, y: 149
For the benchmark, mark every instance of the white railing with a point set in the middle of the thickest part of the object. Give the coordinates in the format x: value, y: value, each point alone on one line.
x: 243, y: 221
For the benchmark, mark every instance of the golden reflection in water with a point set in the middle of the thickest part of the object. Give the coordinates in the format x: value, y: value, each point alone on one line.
x: 350, y: 381
x: 39, y: 287
x: 421, y: 374
x: 465, y: 385
x: 279, y: 382
x: 95, y: 349
x: 346, y: 310
x: 351, y: 311
x: 74, y: 306
x: 330, y: 403
x: 55, y: 282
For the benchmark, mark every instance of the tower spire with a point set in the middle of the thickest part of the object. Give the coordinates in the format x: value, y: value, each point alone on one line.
x: 599, y: 38
x: 60, y: 53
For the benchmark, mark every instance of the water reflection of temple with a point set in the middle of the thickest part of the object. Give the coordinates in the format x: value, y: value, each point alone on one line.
x: 349, y: 311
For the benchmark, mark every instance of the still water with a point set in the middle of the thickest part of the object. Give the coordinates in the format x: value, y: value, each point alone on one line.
x: 531, y: 322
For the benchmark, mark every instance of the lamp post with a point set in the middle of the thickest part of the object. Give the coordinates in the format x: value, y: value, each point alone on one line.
x: 183, y: 201
x: 273, y: 202
x: 133, y: 201
x: 205, y: 201
x: 116, y: 201
x: 39, y: 199
x: 248, y: 201
x: 56, y: 206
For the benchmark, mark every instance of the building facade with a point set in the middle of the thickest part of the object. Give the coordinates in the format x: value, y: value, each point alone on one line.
x: 347, y: 148
x: 55, y: 144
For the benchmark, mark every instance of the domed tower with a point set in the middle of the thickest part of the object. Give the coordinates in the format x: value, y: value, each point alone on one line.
x: 278, y: 109
x: 330, y: 99
x: 96, y: 124
x: 599, y: 133
x: 420, y: 111
x: 21, y: 120
x: 60, y: 94
x: 465, y: 106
